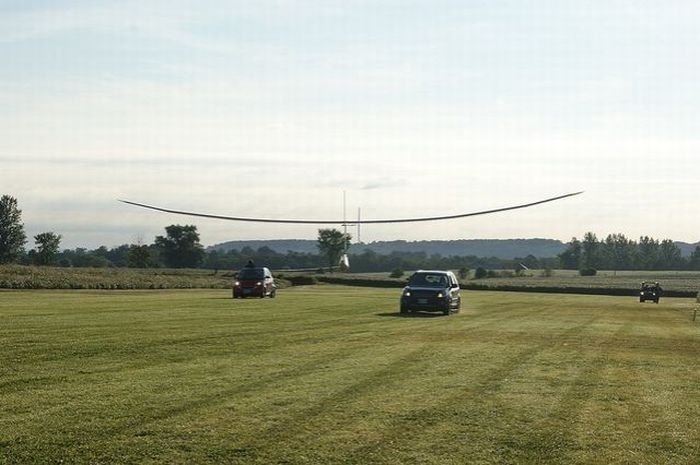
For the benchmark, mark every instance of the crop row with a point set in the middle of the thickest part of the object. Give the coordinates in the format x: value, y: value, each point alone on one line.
x: 515, y: 286
x: 23, y: 277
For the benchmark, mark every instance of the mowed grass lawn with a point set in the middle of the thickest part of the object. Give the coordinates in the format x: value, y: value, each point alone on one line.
x: 326, y: 374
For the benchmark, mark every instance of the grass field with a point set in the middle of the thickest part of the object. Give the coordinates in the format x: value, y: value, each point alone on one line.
x: 332, y: 374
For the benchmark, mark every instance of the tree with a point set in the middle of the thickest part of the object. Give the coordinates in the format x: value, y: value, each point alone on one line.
x: 139, y: 256
x: 47, y: 244
x: 618, y: 252
x: 81, y: 257
x: 590, y: 248
x: 396, y: 273
x: 670, y: 257
x: 694, y: 260
x: 332, y: 243
x: 648, y: 255
x: 571, y: 258
x: 180, y: 247
x: 480, y: 273
x: 12, y: 237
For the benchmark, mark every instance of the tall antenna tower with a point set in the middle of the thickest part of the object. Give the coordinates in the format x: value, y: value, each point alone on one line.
x: 345, y: 223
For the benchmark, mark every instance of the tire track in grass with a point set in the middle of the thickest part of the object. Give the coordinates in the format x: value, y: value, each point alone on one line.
x: 279, y: 431
x: 395, y: 373
x: 289, y: 430
x: 136, y: 365
x: 143, y: 419
x: 271, y: 381
x: 132, y: 353
x: 668, y: 440
x: 553, y: 437
x: 557, y: 437
x: 144, y: 423
x: 266, y: 381
x: 633, y: 424
x: 297, y: 427
x: 662, y: 397
x: 424, y: 421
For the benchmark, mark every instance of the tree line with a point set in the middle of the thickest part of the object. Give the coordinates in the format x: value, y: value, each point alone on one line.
x: 617, y: 252
x: 180, y: 248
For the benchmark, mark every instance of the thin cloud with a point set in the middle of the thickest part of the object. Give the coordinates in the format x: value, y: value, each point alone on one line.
x: 383, y: 184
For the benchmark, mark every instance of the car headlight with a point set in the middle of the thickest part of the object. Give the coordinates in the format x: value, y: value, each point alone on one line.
x: 407, y: 293
x: 641, y: 292
x: 259, y: 283
x: 440, y: 295
x: 237, y: 283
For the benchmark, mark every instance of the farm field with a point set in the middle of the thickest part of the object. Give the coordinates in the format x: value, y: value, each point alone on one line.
x: 333, y: 374
x: 675, y: 283
x: 683, y: 282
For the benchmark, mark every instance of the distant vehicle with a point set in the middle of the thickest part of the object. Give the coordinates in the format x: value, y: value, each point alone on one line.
x: 650, y: 291
x: 432, y: 291
x: 254, y: 282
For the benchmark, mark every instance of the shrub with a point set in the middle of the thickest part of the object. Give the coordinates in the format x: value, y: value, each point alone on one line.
x: 396, y: 273
x: 463, y: 273
x: 303, y: 280
x: 587, y: 272
x: 480, y: 273
x: 547, y: 273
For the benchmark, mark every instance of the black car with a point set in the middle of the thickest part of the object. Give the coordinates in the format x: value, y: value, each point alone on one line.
x: 254, y: 282
x: 650, y: 291
x: 431, y: 291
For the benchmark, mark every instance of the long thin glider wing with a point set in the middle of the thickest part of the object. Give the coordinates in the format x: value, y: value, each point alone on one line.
x: 397, y: 220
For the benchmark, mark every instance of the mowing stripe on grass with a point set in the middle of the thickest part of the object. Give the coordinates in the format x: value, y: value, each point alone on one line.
x: 328, y: 374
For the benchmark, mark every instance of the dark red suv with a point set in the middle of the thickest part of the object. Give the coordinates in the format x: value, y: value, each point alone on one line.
x: 254, y: 282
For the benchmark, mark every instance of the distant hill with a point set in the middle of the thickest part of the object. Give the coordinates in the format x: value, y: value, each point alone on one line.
x: 500, y: 248
x: 686, y: 249
x: 278, y: 245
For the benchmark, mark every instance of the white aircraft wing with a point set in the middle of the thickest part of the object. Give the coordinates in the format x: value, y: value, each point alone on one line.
x: 380, y: 221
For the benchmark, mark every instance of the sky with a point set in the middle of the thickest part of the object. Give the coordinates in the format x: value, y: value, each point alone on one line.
x: 280, y: 109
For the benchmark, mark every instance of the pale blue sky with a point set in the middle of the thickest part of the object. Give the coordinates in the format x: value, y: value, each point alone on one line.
x: 274, y: 108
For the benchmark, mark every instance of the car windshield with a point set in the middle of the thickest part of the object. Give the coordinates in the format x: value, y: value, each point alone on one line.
x: 251, y: 273
x: 428, y: 280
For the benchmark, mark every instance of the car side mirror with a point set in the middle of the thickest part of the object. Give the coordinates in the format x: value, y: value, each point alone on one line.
x: 455, y: 285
